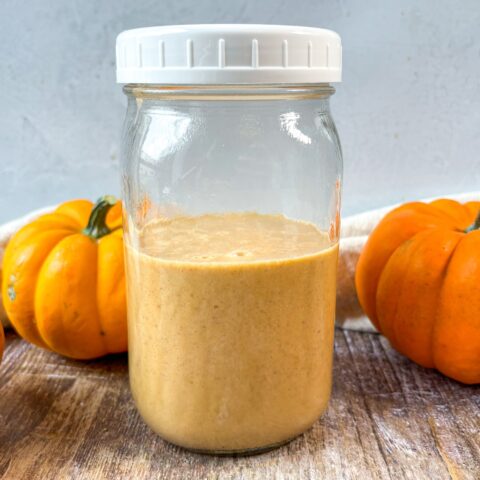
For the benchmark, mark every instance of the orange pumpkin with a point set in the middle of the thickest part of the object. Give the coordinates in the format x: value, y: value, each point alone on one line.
x: 2, y: 341
x: 418, y: 280
x: 63, y: 280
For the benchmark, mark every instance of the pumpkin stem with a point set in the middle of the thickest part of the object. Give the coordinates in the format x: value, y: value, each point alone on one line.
x: 97, y: 226
x: 475, y: 225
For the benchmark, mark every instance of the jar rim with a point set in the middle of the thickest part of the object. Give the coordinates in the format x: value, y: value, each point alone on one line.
x: 229, y: 91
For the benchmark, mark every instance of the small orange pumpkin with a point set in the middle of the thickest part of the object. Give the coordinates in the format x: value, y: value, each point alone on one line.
x: 418, y: 280
x: 64, y: 283
x: 2, y: 341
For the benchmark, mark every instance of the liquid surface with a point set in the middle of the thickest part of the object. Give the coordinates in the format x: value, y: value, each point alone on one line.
x: 231, y: 238
x: 231, y: 321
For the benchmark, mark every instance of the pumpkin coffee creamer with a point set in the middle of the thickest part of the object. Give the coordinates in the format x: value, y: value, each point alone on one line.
x: 231, y: 328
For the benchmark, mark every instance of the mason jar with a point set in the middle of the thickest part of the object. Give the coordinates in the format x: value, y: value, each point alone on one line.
x: 232, y: 174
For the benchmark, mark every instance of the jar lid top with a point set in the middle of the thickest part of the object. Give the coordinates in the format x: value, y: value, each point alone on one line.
x: 228, y: 54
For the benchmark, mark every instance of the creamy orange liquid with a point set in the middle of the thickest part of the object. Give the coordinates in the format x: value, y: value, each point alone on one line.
x: 231, y: 321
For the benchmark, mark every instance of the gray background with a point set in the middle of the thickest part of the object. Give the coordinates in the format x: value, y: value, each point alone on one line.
x: 408, y: 111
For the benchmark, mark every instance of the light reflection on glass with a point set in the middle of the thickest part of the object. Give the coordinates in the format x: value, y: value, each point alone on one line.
x: 288, y: 122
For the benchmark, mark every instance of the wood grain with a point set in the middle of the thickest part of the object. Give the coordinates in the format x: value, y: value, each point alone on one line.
x: 388, y: 419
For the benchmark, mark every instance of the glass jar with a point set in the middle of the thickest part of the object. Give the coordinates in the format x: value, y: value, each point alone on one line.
x: 231, y: 190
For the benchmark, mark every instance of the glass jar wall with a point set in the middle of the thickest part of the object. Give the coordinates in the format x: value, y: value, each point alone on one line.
x: 202, y: 150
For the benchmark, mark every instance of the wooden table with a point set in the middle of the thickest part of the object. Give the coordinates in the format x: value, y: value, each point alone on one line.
x: 387, y: 418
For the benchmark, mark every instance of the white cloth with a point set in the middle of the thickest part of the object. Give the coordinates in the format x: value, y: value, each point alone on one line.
x: 355, y: 231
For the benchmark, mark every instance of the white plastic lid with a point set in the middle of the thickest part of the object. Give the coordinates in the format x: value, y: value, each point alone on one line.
x: 228, y: 54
